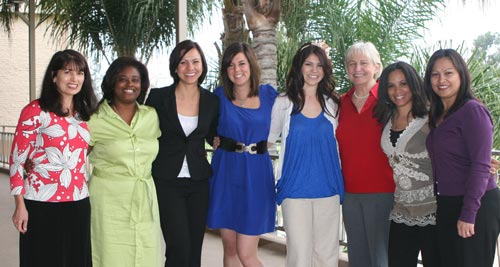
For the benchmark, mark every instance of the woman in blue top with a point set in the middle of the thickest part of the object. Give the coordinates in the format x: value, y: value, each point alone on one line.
x: 242, y: 197
x: 310, y: 186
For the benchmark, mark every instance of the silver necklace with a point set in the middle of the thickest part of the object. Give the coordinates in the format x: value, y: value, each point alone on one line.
x: 241, y: 102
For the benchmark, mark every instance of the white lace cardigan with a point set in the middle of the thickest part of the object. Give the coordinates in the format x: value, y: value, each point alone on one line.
x: 414, y: 200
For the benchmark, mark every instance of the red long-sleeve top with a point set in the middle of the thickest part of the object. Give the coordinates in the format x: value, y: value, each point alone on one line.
x: 364, y: 165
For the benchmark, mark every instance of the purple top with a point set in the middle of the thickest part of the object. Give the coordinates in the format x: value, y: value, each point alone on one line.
x: 460, y: 151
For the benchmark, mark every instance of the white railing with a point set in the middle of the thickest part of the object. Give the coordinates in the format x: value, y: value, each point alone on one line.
x: 6, y: 136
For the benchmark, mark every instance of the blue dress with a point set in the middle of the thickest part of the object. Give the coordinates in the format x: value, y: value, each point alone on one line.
x: 242, y: 196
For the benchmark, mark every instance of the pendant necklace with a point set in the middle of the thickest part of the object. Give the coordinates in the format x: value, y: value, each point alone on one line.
x: 241, y: 102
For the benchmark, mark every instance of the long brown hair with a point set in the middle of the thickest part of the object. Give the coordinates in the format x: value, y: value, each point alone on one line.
x: 464, y: 92
x: 295, y: 79
x: 84, y: 102
x: 385, y: 108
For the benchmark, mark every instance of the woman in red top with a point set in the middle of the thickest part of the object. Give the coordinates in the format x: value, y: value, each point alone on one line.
x: 368, y: 181
x: 52, y: 205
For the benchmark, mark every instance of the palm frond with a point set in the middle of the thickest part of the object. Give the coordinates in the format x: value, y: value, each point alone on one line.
x: 109, y: 28
x: 6, y: 15
x: 390, y: 25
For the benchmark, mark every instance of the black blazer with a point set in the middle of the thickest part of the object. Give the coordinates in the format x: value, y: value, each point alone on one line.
x: 174, y: 144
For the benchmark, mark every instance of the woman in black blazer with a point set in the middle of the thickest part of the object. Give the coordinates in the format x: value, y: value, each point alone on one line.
x: 188, y: 116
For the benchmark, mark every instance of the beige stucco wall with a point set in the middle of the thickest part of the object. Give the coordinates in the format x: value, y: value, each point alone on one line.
x: 14, y: 67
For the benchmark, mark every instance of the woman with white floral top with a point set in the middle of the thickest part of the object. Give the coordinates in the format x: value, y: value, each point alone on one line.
x: 52, y: 206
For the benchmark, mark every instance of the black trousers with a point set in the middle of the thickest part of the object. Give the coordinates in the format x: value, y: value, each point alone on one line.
x: 58, y: 235
x: 183, y: 205
x: 405, y: 242
x: 475, y: 251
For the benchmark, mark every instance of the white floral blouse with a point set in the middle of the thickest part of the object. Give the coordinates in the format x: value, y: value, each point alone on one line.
x: 58, y: 147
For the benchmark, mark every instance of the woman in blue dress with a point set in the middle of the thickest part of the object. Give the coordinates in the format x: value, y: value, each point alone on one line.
x: 242, y: 196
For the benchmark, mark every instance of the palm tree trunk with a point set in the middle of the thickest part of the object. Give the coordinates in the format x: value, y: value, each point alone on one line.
x: 262, y: 17
x: 234, y: 23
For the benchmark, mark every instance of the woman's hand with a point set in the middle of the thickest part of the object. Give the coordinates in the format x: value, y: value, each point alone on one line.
x: 20, y: 217
x: 29, y: 165
x: 216, y: 143
x: 494, y: 166
x: 465, y: 230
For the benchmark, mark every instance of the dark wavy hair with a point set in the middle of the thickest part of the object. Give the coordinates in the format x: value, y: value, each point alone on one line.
x: 464, y: 92
x: 385, y: 108
x: 84, y: 102
x: 295, y: 79
x: 179, y: 52
x: 230, y: 52
x: 111, y: 76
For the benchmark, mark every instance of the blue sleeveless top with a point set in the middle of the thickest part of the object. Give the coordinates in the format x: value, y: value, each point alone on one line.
x: 311, y: 166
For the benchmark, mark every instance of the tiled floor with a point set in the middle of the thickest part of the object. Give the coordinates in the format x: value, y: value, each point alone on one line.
x: 273, y: 255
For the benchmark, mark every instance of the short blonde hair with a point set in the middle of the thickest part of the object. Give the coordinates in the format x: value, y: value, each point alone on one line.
x: 368, y: 49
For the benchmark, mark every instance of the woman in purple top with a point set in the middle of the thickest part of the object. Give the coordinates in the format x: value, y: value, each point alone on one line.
x: 459, y: 145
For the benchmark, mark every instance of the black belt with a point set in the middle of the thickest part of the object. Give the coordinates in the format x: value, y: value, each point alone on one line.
x: 232, y: 145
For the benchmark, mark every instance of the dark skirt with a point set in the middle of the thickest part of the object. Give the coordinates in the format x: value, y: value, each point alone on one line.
x: 58, y: 235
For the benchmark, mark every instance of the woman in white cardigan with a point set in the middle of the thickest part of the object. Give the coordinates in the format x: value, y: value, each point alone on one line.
x: 310, y: 186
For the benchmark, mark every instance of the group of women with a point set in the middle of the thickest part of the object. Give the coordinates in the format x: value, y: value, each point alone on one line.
x: 409, y: 160
x: 437, y: 138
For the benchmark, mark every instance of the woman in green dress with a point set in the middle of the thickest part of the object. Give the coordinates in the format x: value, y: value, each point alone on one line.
x: 125, y: 225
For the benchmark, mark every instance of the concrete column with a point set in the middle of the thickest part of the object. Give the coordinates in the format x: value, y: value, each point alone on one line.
x: 32, y: 54
x: 181, y: 20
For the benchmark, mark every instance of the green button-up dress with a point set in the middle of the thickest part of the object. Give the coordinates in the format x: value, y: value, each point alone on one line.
x: 125, y: 223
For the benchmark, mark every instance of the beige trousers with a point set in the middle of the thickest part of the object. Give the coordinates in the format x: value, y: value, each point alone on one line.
x: 312, y: 231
